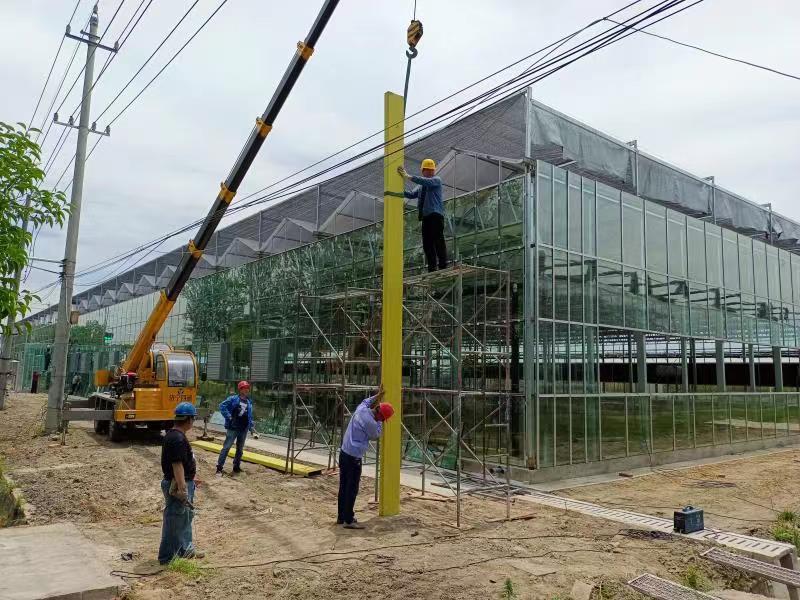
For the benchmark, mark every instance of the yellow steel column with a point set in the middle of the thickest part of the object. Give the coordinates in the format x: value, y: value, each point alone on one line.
x: 392, y: 327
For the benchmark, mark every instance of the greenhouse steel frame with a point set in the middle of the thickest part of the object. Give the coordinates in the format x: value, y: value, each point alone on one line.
x: 653, y: 315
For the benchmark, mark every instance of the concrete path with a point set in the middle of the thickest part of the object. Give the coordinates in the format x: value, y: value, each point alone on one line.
x: 52, y: 562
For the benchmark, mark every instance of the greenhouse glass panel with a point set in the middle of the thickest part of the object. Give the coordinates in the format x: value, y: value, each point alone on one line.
x: 576, y: 293
x: 589, y: 217
x: 679, y: 306
x: 560, y: 215
x: 609, y: 290
x: 698, y: 307
x: 632, y: 230
x: 561, y: 280
x: 545, y: 283
x: 714, y: 254
x: 696, y: 243
x: 656, y: 223
x: 657, y: 302
x: 613, y: 423
x: 590, y: 290
x: 609, y: 236
x: 746, y: 264
x: 760, y: 268
x: 635, y: 299
x: 730, y: 259
x: 544, y: 202
x: 575, y: 221
x: 786, y: 275
x: 676, y: 243
x: 773, y: 273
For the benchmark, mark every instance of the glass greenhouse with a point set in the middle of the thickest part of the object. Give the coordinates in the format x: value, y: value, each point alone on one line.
x: 605, y: 310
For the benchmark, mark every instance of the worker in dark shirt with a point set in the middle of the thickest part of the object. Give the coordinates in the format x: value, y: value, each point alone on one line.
x: 179, y: 467
x: 430, y: 208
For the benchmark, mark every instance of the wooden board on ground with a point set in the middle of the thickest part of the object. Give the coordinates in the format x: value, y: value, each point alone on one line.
x: 265, y: 460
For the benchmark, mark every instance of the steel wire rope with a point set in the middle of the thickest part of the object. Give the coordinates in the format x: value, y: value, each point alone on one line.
x: 608, y: 39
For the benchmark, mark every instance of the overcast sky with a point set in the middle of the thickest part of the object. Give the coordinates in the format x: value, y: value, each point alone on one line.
x: 162, y: 166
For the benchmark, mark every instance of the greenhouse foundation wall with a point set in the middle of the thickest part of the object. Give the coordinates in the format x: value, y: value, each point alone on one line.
x: 626, y: 335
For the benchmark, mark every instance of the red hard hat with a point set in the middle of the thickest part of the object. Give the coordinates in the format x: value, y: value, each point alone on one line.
x: 386, y: 410
x: 242, y: 385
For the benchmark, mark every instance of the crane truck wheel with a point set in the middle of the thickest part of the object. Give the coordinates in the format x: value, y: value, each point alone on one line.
x: 101, y: 427
x: 116, y: 431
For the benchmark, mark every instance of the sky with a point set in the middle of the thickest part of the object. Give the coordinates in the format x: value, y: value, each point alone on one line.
x: 162, y: 165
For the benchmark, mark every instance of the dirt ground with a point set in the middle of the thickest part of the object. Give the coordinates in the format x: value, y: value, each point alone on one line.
x: 741, y: 494
x: 271, y: 535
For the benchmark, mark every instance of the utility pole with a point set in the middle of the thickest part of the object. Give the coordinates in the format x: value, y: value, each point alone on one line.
x: 55, y: 399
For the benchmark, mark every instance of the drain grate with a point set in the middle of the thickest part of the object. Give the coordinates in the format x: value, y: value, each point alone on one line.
x: 751, y: 565
x: 767, y: 549
x: 662, y: 589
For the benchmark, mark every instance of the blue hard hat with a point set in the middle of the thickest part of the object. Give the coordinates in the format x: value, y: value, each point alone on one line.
x: 185, y: 409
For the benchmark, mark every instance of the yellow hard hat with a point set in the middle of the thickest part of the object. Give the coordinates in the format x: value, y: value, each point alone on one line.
x: 428, y: 164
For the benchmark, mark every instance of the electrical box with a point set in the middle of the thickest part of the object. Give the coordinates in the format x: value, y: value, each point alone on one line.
x: 217, y: 364
x: 688, y: 520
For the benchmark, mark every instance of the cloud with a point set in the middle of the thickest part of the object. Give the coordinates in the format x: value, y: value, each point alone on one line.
x: 166, y: 156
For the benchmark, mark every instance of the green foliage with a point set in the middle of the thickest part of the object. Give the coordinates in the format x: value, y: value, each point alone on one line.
x: 91, y: 334
x: 787, y: 516
x: 694, y: 578
x: 212, y: 304
x: 508, y: 590
x: 184, y: 566
x: 20, y: 179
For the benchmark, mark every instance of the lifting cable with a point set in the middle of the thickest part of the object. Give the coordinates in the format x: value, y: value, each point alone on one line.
x: 413, y: 36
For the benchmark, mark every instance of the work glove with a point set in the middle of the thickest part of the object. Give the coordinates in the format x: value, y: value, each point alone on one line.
x: 402, y: 171
x: 254, y: 434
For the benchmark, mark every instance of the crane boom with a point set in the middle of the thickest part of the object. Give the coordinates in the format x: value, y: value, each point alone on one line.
x: 139, y: 353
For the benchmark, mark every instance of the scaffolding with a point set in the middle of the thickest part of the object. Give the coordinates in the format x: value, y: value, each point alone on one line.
x: 456, y: 418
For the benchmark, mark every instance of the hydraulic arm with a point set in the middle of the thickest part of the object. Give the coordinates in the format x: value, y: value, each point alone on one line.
x: 139, y: 353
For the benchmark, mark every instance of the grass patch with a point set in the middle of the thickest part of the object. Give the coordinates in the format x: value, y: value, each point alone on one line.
x: 695, y: 579
x: 508, y: 590
x: 786, y: 528
x: 184, y: 566
x: 787, y: 516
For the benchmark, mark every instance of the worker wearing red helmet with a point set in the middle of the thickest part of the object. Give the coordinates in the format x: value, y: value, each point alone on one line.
x: 237, y: 410
x: 366, y: 424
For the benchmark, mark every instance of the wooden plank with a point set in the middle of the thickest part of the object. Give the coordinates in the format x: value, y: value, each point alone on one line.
x: 278, y: 464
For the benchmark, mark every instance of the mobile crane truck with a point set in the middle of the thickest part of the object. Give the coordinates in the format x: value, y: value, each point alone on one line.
x: 154, y: 377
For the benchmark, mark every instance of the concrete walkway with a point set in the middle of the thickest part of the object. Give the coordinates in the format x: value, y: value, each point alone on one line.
x: 52, y: 561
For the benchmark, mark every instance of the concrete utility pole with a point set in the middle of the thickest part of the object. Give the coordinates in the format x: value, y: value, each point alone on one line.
x: 55, y: 398
x: 5, y: 350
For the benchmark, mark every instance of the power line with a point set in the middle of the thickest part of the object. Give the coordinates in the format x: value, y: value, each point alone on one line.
x: 120, y: 43
x: 712, y: 53
x: 149, y: 58
x: 600, y: 42
x: 52, y: 65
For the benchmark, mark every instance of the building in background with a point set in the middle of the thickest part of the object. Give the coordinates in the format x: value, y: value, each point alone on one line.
x: 609, y: 310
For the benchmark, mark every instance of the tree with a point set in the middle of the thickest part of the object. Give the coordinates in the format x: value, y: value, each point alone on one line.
x: 23, y: 202
x: 213, y: 303
x: 91, y: 334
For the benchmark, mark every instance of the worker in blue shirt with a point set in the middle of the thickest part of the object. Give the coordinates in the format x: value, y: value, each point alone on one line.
x: 237, y: 410
x: 366, y: 424
x: 430, y: 209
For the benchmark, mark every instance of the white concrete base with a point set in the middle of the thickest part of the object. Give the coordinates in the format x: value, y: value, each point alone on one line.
x: 52, y: 562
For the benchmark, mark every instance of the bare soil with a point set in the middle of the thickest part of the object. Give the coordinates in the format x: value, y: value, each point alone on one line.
x: 741, y: 494
x: 272, y: 535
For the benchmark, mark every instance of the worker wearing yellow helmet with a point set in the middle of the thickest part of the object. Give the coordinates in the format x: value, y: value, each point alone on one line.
x: 430, y: 209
